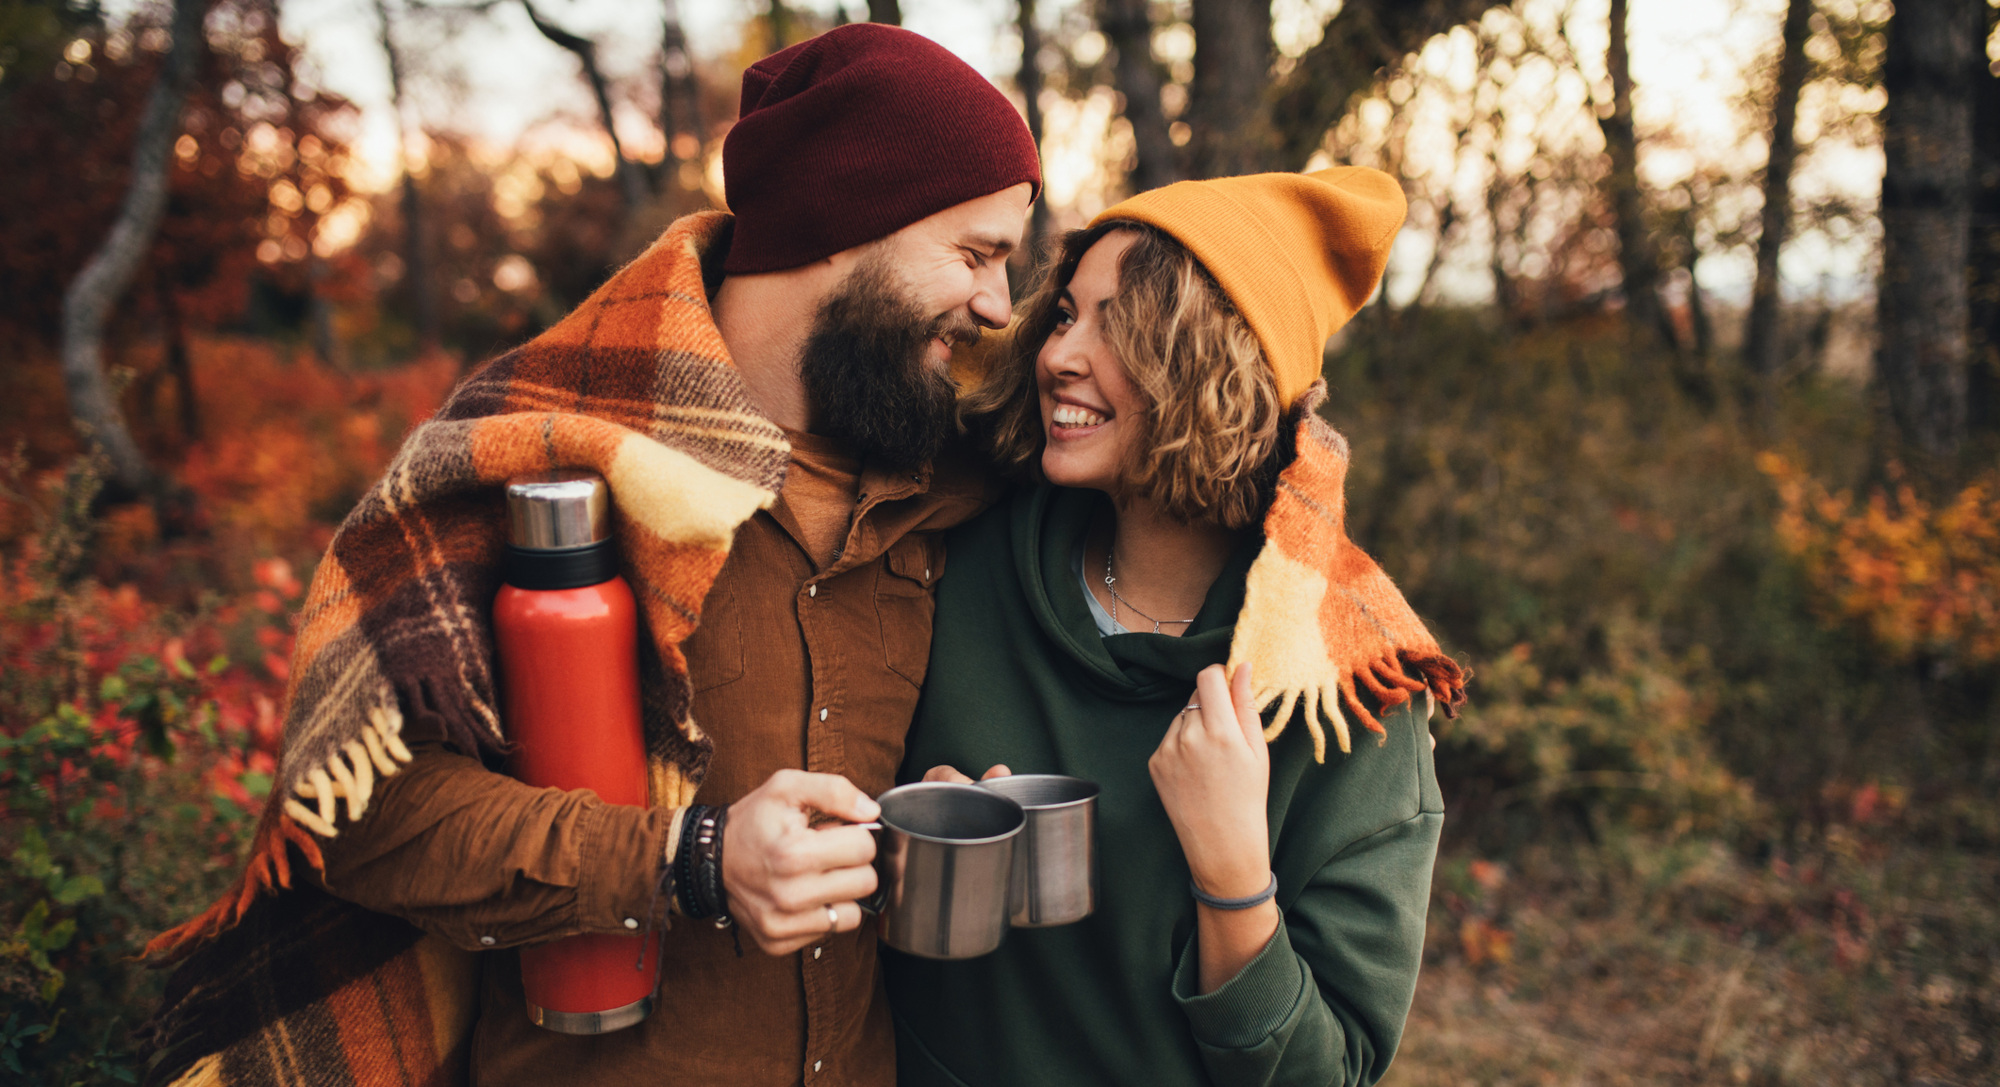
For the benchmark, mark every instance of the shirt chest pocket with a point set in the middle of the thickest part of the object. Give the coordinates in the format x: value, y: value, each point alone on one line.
x: 905, y: 599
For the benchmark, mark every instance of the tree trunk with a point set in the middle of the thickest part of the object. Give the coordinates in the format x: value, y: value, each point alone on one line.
x: 779, y: 19
x: 88, y: 302
x: 1029, y: 80
x: 173, y: 329
x: 885, y: 11
x: 1129, y: 27
x: 1638, y: 262
x: 680, y: 103
x: 1366, y: 37
x: 1226, y: 108
x: 416, y: 240
x: 1983, y: 367
x: 1763, y: 349
x: 631, y: 178
x: 1926, y: 218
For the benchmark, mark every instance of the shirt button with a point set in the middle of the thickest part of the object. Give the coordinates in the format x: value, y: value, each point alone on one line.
x: 487, y: 941
x: 816, y: 951
x: 822, y: 715
x: 816, y: 1065
x: 631, y: 922
x: 812, y: 590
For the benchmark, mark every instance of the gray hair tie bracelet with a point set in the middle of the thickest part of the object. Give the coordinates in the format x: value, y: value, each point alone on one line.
x: 1269, y: 892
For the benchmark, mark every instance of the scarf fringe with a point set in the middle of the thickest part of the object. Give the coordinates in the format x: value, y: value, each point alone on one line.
x: 1385, y: 678
x: 349, y: 773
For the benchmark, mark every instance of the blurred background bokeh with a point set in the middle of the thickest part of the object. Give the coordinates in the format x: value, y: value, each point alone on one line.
x: 1678, y: 416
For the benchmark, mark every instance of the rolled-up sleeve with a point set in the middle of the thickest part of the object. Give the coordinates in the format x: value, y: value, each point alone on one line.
x: 486, y: 861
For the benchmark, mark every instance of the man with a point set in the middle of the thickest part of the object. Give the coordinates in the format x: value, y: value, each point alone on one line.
x: 878, y: 185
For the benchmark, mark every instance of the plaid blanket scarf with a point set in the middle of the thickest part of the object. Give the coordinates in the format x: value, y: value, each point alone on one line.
x: 301, y: 988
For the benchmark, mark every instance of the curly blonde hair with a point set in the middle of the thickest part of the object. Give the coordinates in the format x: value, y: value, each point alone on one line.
x: 1210, y: 440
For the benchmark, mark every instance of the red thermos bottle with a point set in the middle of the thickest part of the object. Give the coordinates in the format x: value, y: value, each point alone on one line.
x: 567, y: 632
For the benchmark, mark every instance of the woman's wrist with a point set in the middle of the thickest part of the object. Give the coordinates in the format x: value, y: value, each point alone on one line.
x: 1236, y: 880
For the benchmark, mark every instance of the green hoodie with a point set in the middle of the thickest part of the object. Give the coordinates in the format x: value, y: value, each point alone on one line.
x: 1020, y: 675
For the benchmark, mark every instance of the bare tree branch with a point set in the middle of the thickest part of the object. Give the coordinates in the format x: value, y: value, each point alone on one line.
x: 631, y: 179
x: 1363, y: 39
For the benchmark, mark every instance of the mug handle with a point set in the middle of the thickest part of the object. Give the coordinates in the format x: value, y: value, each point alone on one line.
x: 874, y: 904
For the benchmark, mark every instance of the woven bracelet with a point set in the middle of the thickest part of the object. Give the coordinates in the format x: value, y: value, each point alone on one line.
x: 685, y: 885
x: 1269, y: 892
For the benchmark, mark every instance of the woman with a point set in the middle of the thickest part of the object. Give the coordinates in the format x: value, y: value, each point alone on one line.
x: 1261, y: 908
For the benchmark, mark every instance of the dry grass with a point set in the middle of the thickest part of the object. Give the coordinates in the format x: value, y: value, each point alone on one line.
x: 1877, y: 963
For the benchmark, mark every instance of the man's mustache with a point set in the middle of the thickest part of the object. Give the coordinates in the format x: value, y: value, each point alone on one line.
x: 956, y: 331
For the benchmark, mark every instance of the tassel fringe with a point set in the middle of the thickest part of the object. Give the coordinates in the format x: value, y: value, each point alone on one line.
x: 1385, y: 678
x: 349, y: 773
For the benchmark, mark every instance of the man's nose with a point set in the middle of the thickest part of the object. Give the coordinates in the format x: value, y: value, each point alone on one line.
x: 991, y: 304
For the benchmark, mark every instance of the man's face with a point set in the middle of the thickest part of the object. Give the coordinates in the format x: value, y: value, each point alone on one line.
x: 875, y: 364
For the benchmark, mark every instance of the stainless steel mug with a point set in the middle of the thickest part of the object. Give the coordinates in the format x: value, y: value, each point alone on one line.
x: 1055, y: 859
x: 945, y: 857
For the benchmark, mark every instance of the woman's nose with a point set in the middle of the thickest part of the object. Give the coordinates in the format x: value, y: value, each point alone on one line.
x: 1065, y: 360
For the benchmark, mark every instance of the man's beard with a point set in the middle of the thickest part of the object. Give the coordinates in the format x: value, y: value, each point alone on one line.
x: 866, y: 375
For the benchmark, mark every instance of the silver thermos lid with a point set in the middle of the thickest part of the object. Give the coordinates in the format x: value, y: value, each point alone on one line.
x: 558, y: 510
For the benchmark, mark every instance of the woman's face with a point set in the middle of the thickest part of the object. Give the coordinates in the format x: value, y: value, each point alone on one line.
x: 1090, y: 410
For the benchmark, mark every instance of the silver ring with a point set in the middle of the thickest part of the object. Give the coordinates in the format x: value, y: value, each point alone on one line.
x: 1191, y: 706
x: 832, y: 918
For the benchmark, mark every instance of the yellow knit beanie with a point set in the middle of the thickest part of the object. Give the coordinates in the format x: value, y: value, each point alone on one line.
x: 1297, y: 253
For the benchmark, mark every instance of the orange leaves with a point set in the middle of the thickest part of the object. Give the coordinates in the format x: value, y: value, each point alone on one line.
x: 1921, y: 578
x: 1483, y: 942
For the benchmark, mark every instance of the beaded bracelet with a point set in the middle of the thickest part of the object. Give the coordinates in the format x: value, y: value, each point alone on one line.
x: 708, y: 861
x: 1269, y: 892
x: 685, y: 888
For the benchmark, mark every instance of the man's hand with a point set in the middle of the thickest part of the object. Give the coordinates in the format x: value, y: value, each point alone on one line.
x: 782, y: 875
x: 951, y: 774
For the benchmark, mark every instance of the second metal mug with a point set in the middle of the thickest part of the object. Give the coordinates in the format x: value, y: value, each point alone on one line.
x: 1055, y: 858
x: 945, y: 857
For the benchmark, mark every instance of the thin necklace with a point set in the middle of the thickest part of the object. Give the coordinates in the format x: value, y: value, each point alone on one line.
x: 1111, y: 586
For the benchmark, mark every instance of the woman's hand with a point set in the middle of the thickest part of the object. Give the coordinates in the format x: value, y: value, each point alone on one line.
x: 1213, y: 773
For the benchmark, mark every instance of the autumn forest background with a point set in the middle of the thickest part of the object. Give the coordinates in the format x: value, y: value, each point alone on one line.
x: 1679, y: 417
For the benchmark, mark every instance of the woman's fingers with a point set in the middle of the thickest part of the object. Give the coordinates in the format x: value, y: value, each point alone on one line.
x: 1244, y: 695
x: 1218, y: 710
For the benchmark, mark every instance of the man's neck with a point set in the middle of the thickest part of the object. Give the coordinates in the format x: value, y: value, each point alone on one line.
x: 764, y: 321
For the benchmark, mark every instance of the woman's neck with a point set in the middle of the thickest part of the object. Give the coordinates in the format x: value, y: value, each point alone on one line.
x: 1162, y: 567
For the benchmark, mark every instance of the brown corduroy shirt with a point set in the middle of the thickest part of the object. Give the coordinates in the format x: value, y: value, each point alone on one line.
x: 803, y: 660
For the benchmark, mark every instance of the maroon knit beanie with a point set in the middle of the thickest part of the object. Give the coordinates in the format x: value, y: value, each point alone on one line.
x: 857, y: 133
